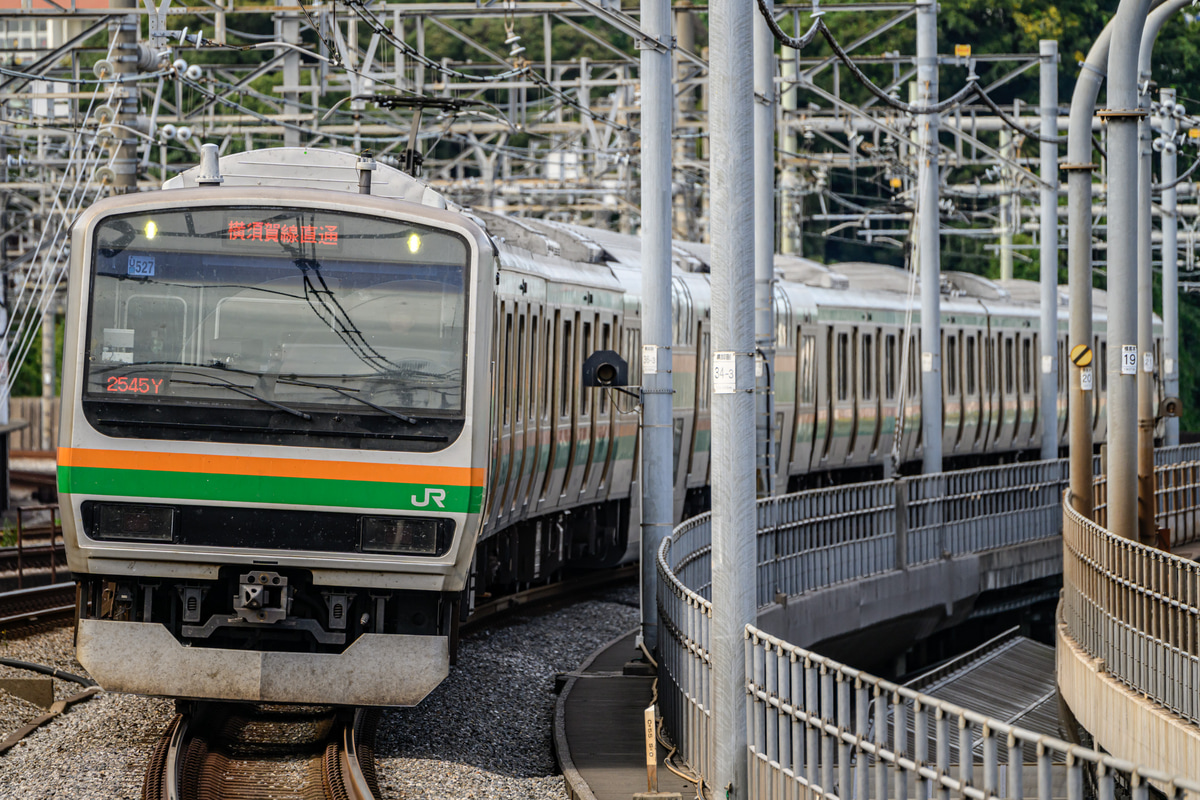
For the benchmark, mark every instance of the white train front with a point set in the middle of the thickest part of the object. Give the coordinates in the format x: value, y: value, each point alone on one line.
x: 303, y: 427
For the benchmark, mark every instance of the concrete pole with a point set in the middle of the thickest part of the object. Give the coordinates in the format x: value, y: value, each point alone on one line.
x: 48, y: 371
x: 928, y: 245
x: 1079, y: 169
x: 1124, y: 361
x: 764, y: 251
x: 790, y: 207
x: 685, y: 104
x: 289, y: 31
x: 731, y: 48
x: 657, y: 481
x: 1170, y: 266
x: 123, y: 32
x: 1006, y: 209
x: 1048, y: 156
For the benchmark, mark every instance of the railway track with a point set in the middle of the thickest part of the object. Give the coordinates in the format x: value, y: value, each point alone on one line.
x: 28, y: 611
x: 223, y: 751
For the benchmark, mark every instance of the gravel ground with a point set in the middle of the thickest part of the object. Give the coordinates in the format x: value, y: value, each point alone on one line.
x: 484, y: 733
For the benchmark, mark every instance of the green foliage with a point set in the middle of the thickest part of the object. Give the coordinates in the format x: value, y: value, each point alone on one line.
x: 29, y: 375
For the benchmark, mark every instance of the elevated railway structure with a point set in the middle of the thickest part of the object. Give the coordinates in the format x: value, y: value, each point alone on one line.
x: 832, y: 561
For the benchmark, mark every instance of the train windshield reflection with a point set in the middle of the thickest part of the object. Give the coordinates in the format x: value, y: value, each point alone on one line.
x: 302, y: 308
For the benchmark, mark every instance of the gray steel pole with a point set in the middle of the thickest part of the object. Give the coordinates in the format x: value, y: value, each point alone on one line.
x: 1170, y: 265
x: 733, y: 519
x: 1006, y: 210
x: 764, y: 251
x: 123, y: 32
x: 1123, y: 364
x: 1048, y: 101
x: 289, y: 31
x: 928, y: 247
x: 657, y: 481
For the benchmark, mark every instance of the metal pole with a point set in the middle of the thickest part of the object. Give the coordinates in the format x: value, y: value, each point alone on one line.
x: 1079, y: 167
x: 1006, y: 210
x: 1170, y: 265
x: 1122, y: 115
x: 764, y: 250
x: 928, y: 248
x: 790, y: 206
x: 657, y: 480
x: 1048, y: 156
x: 733, y: 521
x: 45, y: 442
x: 289, y: 30
x: 124, y: 35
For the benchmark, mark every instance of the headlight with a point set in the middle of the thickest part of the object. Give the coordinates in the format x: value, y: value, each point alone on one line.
x: 132, y: 523
x: 406, y: 535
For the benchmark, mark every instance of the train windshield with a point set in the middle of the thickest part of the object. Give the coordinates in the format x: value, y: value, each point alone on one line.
x: 284, y: 310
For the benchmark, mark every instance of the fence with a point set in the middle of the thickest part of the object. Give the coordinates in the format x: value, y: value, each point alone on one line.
x: 817, y: 538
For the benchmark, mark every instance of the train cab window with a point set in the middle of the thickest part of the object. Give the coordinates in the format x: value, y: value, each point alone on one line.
x: 564, y: 404
x: 952, y: 364
x: 868, y: 365
x: 843, y: 366
x: 1009, y: 384
x: 1026, y: 365
x: 889, y: 366
x: 808, y: 369
x: 970, y: 365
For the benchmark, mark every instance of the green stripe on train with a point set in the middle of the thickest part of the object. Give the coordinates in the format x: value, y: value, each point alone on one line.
x: 270, y: 489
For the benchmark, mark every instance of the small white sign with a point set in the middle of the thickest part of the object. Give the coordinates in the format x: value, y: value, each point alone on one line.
x: 926, y: 362
x: 1147, y: 362
x: 140, y: 267
x: 1129, y: 359
x: 649, y: 359
x: 1169, y: 366
x: 760, y: 367
x: 1047, y: 365
x: 1085, y: 379
x: 724, y: 372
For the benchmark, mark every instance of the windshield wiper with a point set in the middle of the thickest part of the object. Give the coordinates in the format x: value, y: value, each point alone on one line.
x: 347, y: 393
x: 242, y: 390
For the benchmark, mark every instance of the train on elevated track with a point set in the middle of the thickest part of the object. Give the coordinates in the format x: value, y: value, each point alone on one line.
x: 304, y: 428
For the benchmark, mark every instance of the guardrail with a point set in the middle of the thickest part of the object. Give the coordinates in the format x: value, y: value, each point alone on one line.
x: 814, y: 539
x: 820, y: 728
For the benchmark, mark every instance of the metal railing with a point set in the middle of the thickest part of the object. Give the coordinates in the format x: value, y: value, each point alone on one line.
x: 820, y: 728
x: 1136, y: 607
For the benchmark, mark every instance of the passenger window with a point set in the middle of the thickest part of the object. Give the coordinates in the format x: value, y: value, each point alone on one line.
x: 567, y: 351
x: 889, y: 366
x: 604, y: 334
x: 989, y: 367
x: 868, y: 366
x: 808, y: 372
x: 535, y: 374
x: 521, y: 366
x: 1026, y: 366
x: 971, y: 365
x: 952, y: 364
x: 843, y: 366
x: 507, y: 369
x: 585, y: 344
x: 705, y: 370
x: 1009, y: 384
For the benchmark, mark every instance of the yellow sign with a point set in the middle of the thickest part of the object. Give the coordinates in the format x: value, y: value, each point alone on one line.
x: 1194, y: 133
x: 1081, y: 355
x: 962, y: 50
x: 895, y: 183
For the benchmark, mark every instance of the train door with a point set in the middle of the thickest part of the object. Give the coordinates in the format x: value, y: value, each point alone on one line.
x: 504, y: 410
x: 952, y: 401
x: 783, y: 385
x: 805, y: 437
x: 562, y: 413
x: 1061, y: 402
x: 623, y: 464
x: 842, y: 401
x: 581, y: 430
x: 519, y: 375
x: 990, y: 414
x: 527, y: 412
x: 909, y: 425
x: 1028, y: 392
x: 969, y: 439
x: 823, y: 445
x: 1100, y: 389
x: 888, y: 392
x: 867, y: 400
x: 601, y: 413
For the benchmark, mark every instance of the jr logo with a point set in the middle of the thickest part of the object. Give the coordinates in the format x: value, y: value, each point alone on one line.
x: 436, y: 495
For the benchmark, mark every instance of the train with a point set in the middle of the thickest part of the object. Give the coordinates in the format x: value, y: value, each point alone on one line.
x: 310, y: 416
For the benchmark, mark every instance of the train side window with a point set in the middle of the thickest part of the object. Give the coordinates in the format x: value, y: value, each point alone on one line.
x: 705, y: 371
x: 1009, y: 384
x: 634, y: 337
x: 1026, y: 365
x: 567, y: 370
x: 535, y: 374
x: 520, y: 370
x: 843, y: 366
x: 1104, y: 366
x: 971, y: 365
x: 868, y: 364
x: 551, y: 345
x: 889, y: 366
x: 989, y: 365
x: 808, y: 372
x: 952, y: 364
x: 605, y: 330
x: 506, y: 369
x: 585, y: 344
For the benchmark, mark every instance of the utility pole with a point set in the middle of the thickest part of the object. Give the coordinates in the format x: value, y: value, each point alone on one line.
x: 1048, y: 156
x: 764, y: 250
x: 731, y: 49
x: 289, y: 32
x: 1083, y: 377
x: 1170, y: 262
x: 1006, y: 208
x: 123, y: 33
x: 1123, y: 365
x: 658, y: 502
x: 928, y: 248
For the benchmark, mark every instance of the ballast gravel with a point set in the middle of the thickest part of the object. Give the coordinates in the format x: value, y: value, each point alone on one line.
x: 484, y: 733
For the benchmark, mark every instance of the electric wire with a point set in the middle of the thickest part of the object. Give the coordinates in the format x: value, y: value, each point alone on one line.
x: 1162, y: 187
